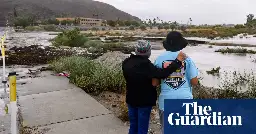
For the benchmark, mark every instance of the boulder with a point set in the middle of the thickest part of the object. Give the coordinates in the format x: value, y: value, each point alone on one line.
x: 112, y: 59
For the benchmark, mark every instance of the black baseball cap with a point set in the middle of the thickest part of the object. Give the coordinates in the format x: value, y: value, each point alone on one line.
x: 174, y: 41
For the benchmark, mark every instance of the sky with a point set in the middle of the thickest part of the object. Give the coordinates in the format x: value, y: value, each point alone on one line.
x: 201, y: 11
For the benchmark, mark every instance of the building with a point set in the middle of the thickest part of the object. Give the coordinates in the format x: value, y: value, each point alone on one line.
x: 90, y: 22
x: 228, y: 25
x: 62, y: 19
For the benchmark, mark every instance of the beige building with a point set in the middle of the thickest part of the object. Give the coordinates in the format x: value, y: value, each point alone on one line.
x: 90, y: 22
x: 62, y: 19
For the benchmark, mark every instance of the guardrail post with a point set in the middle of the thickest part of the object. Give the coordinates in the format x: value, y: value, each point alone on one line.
x: 13, y: 102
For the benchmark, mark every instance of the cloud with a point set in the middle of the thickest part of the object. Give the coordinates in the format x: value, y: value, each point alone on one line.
x: 201, y: 11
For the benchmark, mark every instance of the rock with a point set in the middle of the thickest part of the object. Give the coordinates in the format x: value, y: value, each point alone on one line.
x: 114, y: 105
x: 112, y: 59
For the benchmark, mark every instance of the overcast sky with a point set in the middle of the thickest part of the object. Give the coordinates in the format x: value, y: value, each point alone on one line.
x: 201, y: 11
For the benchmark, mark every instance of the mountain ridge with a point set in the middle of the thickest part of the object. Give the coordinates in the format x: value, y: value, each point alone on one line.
x: 44, y: 9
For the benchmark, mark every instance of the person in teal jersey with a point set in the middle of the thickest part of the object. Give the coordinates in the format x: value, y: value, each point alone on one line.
x: 179, y: 84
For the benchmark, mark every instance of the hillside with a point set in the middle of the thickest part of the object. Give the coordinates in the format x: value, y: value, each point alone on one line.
x: 44, y: 9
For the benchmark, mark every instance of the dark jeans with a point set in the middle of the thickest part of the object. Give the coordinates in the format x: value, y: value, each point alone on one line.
x: 139, y: 119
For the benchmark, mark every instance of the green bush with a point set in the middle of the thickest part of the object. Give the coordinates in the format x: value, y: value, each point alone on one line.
x: 50, y: 28
x: 166, y: 27
x: 160, y: 27
x: 89, y: 75
x: 143, y: 27
x: 88, y: 34
x: 93, y: 43
x: 71, y: 38
x: 131, y: 28
x: 33, y: 28
x: 95, y: 29
x: 235, y: 50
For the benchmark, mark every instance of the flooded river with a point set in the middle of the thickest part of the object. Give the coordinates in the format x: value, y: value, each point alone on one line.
x: 204, y: 57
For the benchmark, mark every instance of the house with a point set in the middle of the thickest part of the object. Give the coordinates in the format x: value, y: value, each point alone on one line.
x: 90, y: 22
x: 62, y: 19
x: 228, y: 25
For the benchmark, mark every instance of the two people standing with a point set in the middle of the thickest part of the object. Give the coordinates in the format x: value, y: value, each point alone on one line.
x: 173, y: 70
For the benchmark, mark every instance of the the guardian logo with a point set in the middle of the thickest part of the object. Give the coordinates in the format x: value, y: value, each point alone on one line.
x: 202, y: 115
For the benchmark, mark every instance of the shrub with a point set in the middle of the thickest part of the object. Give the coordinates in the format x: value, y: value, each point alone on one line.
x: 23, y: 21
x: 236, y: 50
x: 50, y: 28
x: 94, y: 46
x: 160, y: 27
x: 89, y: 75
x: 93, y: 43
x: 95, y: 29
x: 88, y: 34
x: 166, y: 27
x: 71, y: 38
x: 143, y: 27
x: 131, y: 28
x: 33, y: 28
x: 214, y: 71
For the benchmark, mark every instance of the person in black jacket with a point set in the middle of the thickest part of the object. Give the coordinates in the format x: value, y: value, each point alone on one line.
x: 141, y: 95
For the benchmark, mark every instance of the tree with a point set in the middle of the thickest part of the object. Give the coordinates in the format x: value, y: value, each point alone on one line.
x: 238, y: 26
x: 121, y: 23
x: 150, y: 22
x: 77, y: 21
x: 131, y: 28
x: 111, y: 23
x: 143, y: 27
x: 154, y: 22
x: 15, y: 12
x: 160, y: 27
x: 22, y: 21
x: 135, y: 23
x: 250, y: 18
x: 251, y: 22
x: 53, y: 21
x: 166, y: 27
x: 183, y: 28
x: 127, y: 23
x: 173, y: 26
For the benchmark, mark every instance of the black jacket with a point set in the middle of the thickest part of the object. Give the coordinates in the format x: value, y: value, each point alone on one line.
x: 138, y: 72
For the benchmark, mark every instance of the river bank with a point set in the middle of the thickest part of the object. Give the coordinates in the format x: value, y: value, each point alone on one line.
x: 203, y: 55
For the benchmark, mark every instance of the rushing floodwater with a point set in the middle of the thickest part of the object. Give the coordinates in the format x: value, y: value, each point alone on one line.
x: 1, y: 31
x: 239, y: 39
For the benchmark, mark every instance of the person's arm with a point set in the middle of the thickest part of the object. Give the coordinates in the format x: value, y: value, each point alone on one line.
x: 161, y: 73
x: 194, y: 81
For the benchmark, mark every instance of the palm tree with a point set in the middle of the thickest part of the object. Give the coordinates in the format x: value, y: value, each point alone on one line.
x: 154, y: 21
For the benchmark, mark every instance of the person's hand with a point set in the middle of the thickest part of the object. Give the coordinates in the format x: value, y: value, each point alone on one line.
x: 182, y: 56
